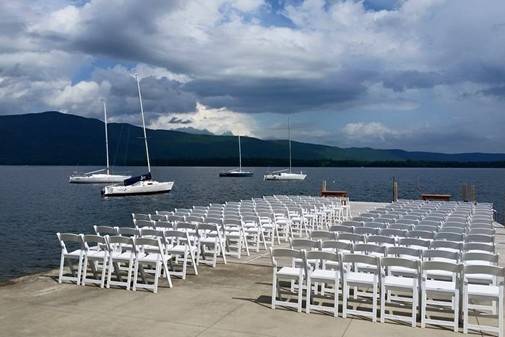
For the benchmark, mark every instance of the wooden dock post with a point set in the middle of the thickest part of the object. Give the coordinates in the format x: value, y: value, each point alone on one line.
x: 395, y: 189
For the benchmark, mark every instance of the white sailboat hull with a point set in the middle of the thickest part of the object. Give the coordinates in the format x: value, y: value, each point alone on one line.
x: 97, y: 178
x: 139, y: 188
x: 284, y: 176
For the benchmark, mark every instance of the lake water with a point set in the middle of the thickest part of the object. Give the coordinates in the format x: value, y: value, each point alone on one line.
x: 37, y: 202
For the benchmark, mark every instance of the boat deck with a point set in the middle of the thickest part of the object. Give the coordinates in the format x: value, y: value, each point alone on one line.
x: 230, y: 300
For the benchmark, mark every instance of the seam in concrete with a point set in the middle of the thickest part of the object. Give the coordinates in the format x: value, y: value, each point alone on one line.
x: 220, y: 319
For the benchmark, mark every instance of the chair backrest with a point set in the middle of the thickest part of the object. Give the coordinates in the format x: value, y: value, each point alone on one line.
x: 322, y: 235
x: 148, y: 245
x: 483, y: 269
x: 484, y: 231
x: 144, y: 223
x: 306, y: 244
x: 351, y: 237
x: 352, y: 223
x: 366, y: 231
x: 440, y: 265
x: 477, y: 246
x: 440, y: 255
x: 105, y: 230
x: 163, y: 225
x: 148, y: 232
x: 120, y: 240
x: 319, y: 255
x: 341, y: 229
x: 381, y: 239
x: 449, y: 237
x: 367, y: 248
x: 217, y: 221
x: 158, y: 217
x: 128, y: 231
x: 338, y: 245
x: 194, y: 218
x: 403, y: 251
x: 401, y: 262
x: 441, y: 244
x: 401, y: 226
x: 421, y: 234
x: 399, y: 233
x: 449, y: 229
x: 361, y: 258
x: 374, y: 224
x: 276, y: 253
x: 141, y: 216
x: 480, y: 238
x: 414, y: 242
x: 70, y: 239
x: 483, y: 257
x: 426, y: 228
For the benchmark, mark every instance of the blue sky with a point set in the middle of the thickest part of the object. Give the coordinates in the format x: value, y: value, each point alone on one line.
x: 417, y: 75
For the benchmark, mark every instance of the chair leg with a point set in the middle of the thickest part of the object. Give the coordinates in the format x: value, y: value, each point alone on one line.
x: 62, y: 266
x: 274, y: 288
x: 79, y: 270
x: 85, y: 271
x: 130, y: 272
x: 300, y: 293
x: 157, y: 273
x: 423, y: 307
x: 499, y: 311
x: 104, y: 269
x: 456, y: 311
x: 336, y: 299
x: 167, y: 273
x: 135, y: 275
x: 465, y: 310
x: 309, y: 291
x: 374, y: 303
x: 383, y: 303
x: 344, y: 299
x: 415, y: 299
x: 109, y: 272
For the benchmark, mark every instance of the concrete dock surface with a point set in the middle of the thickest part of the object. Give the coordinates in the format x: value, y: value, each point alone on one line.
x: 229, y: 300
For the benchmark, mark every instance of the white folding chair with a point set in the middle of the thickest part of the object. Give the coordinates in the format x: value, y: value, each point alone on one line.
x: 210, y: 243
x: 439, y: 291
x: 324, y: 274
x: 76, y: 241
x: 286, y: 272
x: 149, y: 252
x: 392, y: 283
x: 121, y: 250
x: 95, y: 256
x: 360, y: 280
x: 487, y: 292
x: 179, y: 245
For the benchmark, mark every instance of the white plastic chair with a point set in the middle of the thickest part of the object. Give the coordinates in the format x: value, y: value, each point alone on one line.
x: 96, y: 256
x: 70, y: 256
x: 149, y: 252
x: 210, y: 243
x: 358, y: 279
x: 492, y: 292
x: 121, y: 250
x: 324, y: 274
x: 286, y: 272
x: 439, y: 290
x: 391, y: 283
x: 178, y: 244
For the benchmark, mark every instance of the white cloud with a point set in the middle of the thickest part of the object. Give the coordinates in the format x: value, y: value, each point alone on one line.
x: 368, y: 132
x: 218, y: 121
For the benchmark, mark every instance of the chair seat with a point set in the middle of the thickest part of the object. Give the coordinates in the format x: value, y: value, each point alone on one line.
x: 399, y: 282
x: 97, y: 254
x: 363, y: 278
x: 440, y: 273
x: 121, y: 255
x: 483, y: 290
x: 153, y: 257
x: 75, y: 253
x: 402, y: 270
x: 443, y: 286
x: 290, y: 271
x: 325, y: 274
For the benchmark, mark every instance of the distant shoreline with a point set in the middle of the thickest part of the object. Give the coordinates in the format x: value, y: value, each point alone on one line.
x: 275, y: 163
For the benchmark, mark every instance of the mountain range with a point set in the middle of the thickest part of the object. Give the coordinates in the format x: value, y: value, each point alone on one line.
x: 55, y: 138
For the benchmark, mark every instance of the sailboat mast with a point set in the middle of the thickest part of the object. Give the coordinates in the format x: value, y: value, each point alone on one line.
x: 289, y: 140
x: 239, y: 154
x: 106, y: 137
x: 143, y: 123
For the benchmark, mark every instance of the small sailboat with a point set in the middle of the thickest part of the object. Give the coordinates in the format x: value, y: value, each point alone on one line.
x: 238, y: 173
x: 143, y: 184
x: 97, y: 177
x: 285, y: 174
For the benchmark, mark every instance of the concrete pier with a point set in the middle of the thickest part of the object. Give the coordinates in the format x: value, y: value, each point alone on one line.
x: 230, y: 300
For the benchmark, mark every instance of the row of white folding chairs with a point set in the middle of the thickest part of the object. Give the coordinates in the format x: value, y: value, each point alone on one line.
x: 104, y: 254
x: 387, y: 278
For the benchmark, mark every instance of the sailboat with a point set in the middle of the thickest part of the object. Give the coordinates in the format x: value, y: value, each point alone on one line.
x: 97, y: 177
x: 285, y: 174
x: 237, y: 172
x: 143, y: 184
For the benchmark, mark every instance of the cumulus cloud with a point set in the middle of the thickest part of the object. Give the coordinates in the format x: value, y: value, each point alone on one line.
x: 217, y: 121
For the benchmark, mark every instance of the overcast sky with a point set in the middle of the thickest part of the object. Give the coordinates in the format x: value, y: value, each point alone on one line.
x: 413, y: 74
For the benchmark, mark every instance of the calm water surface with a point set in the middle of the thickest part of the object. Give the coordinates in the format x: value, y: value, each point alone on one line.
x: 37, y: 202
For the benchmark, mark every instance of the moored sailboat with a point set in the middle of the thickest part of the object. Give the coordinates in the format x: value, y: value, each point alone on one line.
x: 96, y: 177
x: 285, y: 174
x: 143, y: 184
x: 238, y: 173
